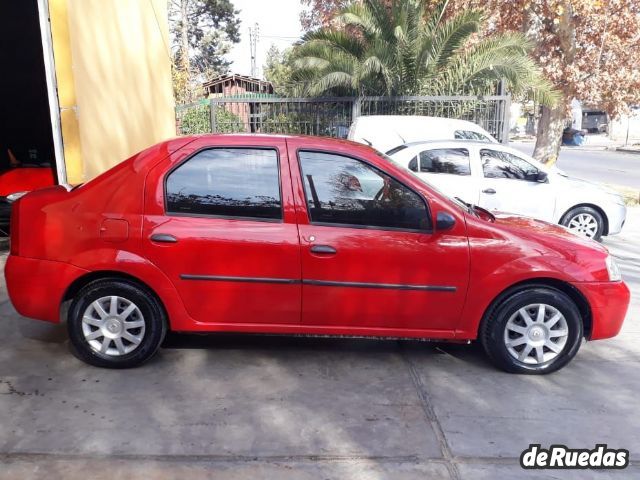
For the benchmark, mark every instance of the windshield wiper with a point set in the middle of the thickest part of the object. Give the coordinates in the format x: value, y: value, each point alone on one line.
x: 475, y: 208
x: 466, y: 204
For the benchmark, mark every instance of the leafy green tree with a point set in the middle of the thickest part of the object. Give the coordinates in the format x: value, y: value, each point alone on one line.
x: 278, y: 69
x: 202, y: 33
x: 381, y: 47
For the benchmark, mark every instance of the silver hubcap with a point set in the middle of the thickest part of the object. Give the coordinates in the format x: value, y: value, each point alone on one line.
x: 536, y: 334
x: 584, y: 224
x: 113, y: 326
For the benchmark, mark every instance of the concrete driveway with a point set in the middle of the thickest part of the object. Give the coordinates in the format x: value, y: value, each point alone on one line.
x: 233, y: 407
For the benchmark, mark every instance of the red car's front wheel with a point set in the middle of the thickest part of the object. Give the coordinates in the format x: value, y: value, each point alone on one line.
x: 536, y: 330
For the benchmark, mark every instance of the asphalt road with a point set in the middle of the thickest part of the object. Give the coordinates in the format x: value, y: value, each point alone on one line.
x: 606, y: 166
x: 242, y: 407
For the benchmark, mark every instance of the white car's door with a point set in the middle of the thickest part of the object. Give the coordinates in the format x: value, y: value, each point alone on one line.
x: 512, y: 184
x: 449, y: 170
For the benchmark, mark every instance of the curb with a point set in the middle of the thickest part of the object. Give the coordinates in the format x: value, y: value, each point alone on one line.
x: 628, y: 150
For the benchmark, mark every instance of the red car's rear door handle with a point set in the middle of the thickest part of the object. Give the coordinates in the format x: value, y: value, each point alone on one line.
x: 326, y: 249
x: 163, y: 238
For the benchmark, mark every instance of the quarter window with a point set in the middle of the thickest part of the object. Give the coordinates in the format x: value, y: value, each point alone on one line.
x: 342, y: 190
x: 445, y: 160
x: 233, y: 182
x: 496, y: 164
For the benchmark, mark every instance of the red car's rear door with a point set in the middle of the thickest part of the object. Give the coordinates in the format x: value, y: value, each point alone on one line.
x: 219, y: 221
x: 370, y: 261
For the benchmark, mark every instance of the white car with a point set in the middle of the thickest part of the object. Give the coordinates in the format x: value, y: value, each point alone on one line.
x: 386, y: 131
x: 499, y: 178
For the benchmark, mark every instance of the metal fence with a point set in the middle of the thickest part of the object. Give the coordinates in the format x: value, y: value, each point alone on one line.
x: 332, y: 116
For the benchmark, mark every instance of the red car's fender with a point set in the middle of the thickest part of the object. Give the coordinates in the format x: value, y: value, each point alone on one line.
x: 140, y: 269
x: 508, y: 251
x: 488, y: 287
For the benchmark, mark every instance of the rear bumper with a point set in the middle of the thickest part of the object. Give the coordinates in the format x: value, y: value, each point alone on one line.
x: 609, y: 302
x: 36, y: 287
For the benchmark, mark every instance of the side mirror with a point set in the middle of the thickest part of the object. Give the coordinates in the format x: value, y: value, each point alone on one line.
x: 444, y: 221
x: 542, y: 177
x: 413, y: 165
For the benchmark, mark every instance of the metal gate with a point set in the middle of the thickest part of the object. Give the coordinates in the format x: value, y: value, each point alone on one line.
x: 332, y: 116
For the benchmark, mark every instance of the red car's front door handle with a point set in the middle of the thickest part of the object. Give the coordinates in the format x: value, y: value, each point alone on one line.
x: 326, y: 249
x: 163, y: 238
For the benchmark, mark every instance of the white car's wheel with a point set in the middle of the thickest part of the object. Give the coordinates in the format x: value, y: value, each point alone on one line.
x: 585, y: 221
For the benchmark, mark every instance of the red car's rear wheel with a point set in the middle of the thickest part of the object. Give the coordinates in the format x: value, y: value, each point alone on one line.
x: 115, y: 324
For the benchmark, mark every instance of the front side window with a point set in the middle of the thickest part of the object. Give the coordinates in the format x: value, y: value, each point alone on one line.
x: 496, y: 164
x: 232, y: 182
x: 445, y: 160
x: 342, y: 190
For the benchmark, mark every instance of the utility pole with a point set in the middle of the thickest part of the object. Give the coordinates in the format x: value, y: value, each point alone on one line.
x: 254, y: 33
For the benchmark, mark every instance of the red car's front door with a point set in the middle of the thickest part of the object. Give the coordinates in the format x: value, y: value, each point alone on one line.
x: 219, y: 222
x: 370, y: 261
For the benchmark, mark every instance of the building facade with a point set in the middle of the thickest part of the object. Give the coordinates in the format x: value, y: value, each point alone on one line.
x: 106, y: 80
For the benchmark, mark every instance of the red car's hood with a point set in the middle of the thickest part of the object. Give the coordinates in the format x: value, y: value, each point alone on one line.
x: 545, y: 232
x: 545, y: 248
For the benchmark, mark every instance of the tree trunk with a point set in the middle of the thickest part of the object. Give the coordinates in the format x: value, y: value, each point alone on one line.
x: 185, y: 65
x: 184, y: 34
x: 549, y: 135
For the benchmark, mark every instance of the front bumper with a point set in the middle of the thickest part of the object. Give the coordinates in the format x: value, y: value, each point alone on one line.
x: 616, y: 216
x: 36, y: 287
x: 609, y: 302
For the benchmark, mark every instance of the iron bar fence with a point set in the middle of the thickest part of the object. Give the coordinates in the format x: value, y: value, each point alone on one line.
x: 332, y: 116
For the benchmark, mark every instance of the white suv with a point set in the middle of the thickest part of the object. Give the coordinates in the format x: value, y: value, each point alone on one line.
x: 499, y: 178
x: 383, y: 132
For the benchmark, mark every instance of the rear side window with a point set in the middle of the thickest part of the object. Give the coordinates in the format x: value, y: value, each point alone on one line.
x: 345, y: 191
x: 446, y: 160
x: 470, y: 135
x: 230, y: 182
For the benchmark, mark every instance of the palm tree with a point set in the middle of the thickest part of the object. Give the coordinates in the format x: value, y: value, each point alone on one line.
x: 393, y: 48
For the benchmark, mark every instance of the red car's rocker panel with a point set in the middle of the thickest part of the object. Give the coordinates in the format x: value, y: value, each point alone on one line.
x: 340, y: 241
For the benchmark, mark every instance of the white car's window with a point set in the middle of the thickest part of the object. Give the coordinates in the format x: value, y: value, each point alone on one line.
x: 470, y: 135
x: 497, y: 164
x: 454, y: 161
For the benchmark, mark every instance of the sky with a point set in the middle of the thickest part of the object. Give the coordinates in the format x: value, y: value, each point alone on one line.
x: 279, y: 22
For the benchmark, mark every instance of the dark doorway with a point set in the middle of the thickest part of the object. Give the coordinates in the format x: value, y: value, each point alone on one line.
x: 27, y: 159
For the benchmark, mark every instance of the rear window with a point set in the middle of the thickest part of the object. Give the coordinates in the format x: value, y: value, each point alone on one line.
x: 470, y: 135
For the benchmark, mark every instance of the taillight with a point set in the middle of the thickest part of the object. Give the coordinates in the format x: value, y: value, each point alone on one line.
x: 14, y: 225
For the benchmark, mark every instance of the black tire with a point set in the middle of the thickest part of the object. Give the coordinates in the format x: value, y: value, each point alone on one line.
x: 153, y: 315
x: 577, y: 211
x: 492, y: 329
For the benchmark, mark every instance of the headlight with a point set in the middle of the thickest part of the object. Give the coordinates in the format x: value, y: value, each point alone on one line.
x: 614, y: 271
x: 12, y: 197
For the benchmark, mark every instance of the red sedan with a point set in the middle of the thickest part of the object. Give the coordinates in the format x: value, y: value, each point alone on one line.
x: 299, y: 235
